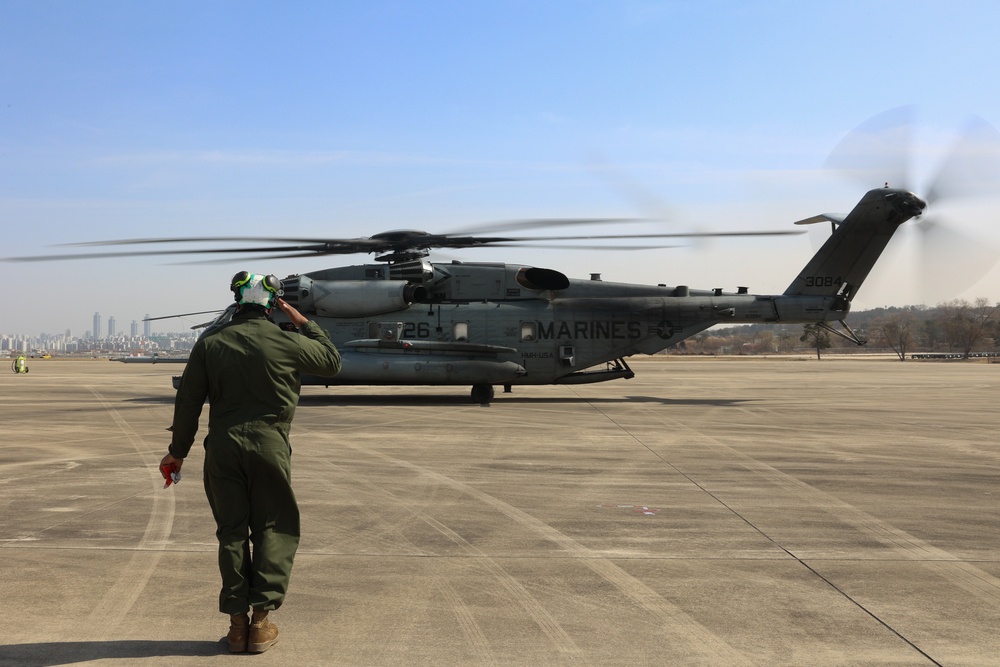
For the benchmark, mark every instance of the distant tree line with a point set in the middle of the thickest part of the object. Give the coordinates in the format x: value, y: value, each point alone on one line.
x: 956, y: 327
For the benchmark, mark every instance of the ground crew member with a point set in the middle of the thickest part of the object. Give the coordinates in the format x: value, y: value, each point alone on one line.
x: 248, y: 369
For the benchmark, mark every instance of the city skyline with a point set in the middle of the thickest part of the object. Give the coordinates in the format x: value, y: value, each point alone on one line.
x: 66, y: 342
x: 71, y: 334
x: 97, y: 329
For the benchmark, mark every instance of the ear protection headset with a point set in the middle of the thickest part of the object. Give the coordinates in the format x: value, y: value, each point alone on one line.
x: 245, y: 287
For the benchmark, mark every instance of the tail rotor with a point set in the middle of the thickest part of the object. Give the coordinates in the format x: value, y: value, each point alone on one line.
x: 951, y: 256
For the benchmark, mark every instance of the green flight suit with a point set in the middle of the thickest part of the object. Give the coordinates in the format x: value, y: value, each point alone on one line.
x: 248, y: 369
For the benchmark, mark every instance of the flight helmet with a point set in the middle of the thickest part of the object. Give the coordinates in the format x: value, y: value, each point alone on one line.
x: 256, y: 289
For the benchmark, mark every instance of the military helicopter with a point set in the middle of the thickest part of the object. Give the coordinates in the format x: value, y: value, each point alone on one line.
x: 410, y: 321
x: 407, y: 320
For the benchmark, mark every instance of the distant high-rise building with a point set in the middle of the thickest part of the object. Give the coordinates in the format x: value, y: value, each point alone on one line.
x: 111, y: 326
x: 134, y: 330
x: 97, y: 325
x: 145, y: 326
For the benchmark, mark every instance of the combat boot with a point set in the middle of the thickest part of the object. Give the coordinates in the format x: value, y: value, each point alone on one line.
x: 263, y: 633
x: 239, y: 632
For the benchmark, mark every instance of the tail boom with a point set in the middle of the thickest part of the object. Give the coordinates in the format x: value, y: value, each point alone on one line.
x: 845, y: 260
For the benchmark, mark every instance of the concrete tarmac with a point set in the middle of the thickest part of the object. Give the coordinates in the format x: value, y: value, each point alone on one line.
x: 707, y: 512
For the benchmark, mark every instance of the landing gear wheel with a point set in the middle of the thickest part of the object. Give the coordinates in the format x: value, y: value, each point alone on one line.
x: 482, y: 393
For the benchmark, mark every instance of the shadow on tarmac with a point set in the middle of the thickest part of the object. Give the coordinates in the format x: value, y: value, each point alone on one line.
x: 145, y: 400
x: 423, y: 400
x: 69, y: 653
x: 426, y: 400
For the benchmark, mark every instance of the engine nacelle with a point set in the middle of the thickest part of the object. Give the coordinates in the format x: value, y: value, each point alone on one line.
x: 351, y: 298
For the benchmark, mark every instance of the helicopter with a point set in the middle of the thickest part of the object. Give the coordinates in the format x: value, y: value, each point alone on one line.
x: 407, y: 320
x: 411, y: 321
x: 414, y: 322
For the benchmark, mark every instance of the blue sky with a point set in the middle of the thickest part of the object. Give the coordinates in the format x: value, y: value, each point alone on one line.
x: 342, y: 119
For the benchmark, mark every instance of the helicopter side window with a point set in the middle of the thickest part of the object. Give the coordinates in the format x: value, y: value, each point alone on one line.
x: 529, y: 331
x: 460, y: 331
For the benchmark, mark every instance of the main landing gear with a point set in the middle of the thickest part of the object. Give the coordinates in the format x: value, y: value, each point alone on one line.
x: 482, y: 393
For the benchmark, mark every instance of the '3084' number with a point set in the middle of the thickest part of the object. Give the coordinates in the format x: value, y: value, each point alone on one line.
x: 822, y: 281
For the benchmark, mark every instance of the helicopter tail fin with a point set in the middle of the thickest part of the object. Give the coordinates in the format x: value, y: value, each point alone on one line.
x: 844, y: 261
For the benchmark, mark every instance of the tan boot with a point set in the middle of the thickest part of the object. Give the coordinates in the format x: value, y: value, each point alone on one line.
x: 239, y: 632
x: 263, y: 633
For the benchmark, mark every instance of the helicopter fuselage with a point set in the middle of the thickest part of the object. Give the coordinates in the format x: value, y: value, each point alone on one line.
x: 508, y: 324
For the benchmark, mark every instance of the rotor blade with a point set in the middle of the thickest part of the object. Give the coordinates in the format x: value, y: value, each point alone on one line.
x: 155, y: 253
x: 641, y: 197
x: 951, y: 261
x: 671, y: 235
x: 972, y: 167
x: 204, y: 239
x: 877, y: 151
x: 241, y: 259
x: 393, y: 241
x: 541, y: 223
x: 582, y: 247
x: 326, y: 248
x: 170, y: 317
x: 499, y: 244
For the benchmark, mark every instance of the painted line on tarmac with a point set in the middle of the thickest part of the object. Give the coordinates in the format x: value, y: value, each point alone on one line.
x: 702, y: 641
x: 130, y: 583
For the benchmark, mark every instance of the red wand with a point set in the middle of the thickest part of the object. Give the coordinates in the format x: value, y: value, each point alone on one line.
x: 170, y: 473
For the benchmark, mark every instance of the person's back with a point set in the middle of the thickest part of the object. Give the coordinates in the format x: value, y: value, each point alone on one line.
x: 248, y: 369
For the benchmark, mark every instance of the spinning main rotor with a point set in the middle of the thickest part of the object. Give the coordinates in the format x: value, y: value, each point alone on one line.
x: 391, y: 246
